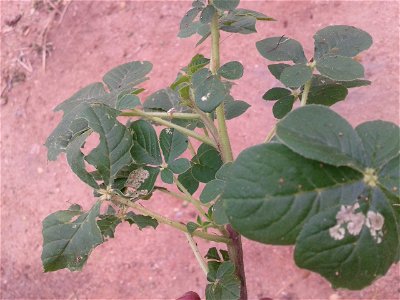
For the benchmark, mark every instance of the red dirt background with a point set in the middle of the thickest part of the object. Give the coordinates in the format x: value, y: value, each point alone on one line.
x: 93, y: 37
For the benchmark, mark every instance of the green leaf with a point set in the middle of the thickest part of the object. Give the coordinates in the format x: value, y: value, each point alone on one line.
x: 340, y: 68
x: 296, y: 76
x: 283, y: 106
x: 238, y: 24
x: 146, y: 149
x: 276, y: 93
x: 351, y: 261
x: 113, y: 152
x: 129, y: 74
x: 90, y: 93
x: 108, y: 224
x: 76, y: 160
x: 128, y: 102
x: 209, y: 91
x: 272, y: 192
x: 163, y: 100
x: 219, y: 215
x: 333, y: 141
x: 281, y: 49
x: 381, y: 141
x: 173, y: 144
x: 247, y: 12
x: 226, y: 4
x: 231, y: 70
x: 327, y: 94
x: 206, y: 163
x: 225, y: 284
x: 187, y: 26
x: 224, y: 172
x: 212, y: 253
x: 341, y: 40
x: 191, y: 227
x: 277, y: 69
x: 179, y: 166
x: 389, y: 178
x: 212, y: 190
x: 198, y: 62
x: 140, y: 220
x: 67, y: 243
x: 207, y: 14
x: 188, y: 181
x: 167, y: 176
x: 355, y: 83
x: 234, y: 108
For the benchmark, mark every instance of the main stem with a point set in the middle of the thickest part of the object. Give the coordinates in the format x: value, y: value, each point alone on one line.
x: 235, y: 249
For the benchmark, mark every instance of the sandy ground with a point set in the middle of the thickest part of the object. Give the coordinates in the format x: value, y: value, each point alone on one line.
x: 95, y: 36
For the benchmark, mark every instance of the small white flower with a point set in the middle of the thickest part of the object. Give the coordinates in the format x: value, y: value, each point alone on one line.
x: 337, y: 232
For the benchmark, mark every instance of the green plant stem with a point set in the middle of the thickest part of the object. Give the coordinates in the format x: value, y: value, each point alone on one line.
x: 163, y: 220
x: 197, y: 254
x: 226, y: 150
x: 235, y: 249
x: 181, y: 129
x: 166, y: 115
x: 306, y: 90
x: 209, y: 124
x: 191, y: 148
x: 270, y: 135
x: 190, y: 198
x: 171, y: 193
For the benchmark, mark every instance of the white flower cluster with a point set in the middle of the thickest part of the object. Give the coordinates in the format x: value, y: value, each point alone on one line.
x: 348, y: 219
x: 135, y: 180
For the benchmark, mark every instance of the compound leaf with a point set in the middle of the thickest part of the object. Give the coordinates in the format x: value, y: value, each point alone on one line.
x: 231, y: 70
x: 272, y: 192
x: 67, y: 243
x: 341, y: 40
x: 333, y: 141
x: 340, y: 68
x: 281, y: 49
x: 146, y: 149
x: 127, y: 75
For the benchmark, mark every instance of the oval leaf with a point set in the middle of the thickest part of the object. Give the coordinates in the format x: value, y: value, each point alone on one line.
x: 341, y: 40
x: 226, y: 4
x: 333, y: 141
x: 340, y: 68
x: 173, y: 144
x: 231, y: 70
x: 281, y: 49
x: 146, y: 149
x: 272, y: 191
x: 283, y: 106
x: 296, y: 76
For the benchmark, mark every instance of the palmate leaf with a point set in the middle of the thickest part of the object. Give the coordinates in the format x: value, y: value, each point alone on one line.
x: 343, y: 219
x: 67, y: 243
